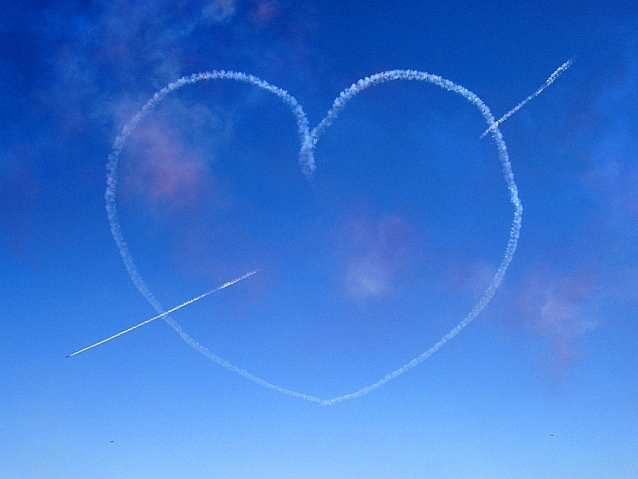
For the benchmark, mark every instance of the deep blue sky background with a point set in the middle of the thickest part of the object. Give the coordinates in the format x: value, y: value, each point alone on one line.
x: 362, y: 268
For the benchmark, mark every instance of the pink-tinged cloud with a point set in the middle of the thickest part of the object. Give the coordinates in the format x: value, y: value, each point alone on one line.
x: 163, y: 172
x: 555, y: 307
x: 377, y: 252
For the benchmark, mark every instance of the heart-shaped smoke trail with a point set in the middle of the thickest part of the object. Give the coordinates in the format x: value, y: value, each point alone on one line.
x: 306, y: 159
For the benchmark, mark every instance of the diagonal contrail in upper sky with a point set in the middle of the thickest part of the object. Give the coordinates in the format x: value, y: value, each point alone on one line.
x: 547, y: 83
x: 191, y: 301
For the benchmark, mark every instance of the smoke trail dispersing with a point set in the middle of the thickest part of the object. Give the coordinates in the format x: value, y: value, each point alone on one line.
x: 306, y: 159
x: 191, y: 301
x: 547, y: 83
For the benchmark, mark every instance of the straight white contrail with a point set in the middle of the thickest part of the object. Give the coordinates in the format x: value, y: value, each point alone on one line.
x: 547, y: 83
x: 223, y: 286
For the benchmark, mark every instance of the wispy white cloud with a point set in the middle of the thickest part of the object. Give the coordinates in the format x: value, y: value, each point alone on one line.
x: 219, y: 10
x: 377, y: 254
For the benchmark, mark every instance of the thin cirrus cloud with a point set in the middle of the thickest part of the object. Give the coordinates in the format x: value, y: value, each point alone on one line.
x: 219, y: 10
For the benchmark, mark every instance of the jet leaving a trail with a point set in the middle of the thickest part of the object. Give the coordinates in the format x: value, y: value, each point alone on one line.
x: 223, y: 286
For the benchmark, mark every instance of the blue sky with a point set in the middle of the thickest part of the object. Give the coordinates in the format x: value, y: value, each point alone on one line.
x: 361, y: 268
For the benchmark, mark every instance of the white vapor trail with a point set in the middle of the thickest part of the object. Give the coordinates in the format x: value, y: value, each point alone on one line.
x: 547, y: 83
x: 309, y: 140
x: 191, y: 301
